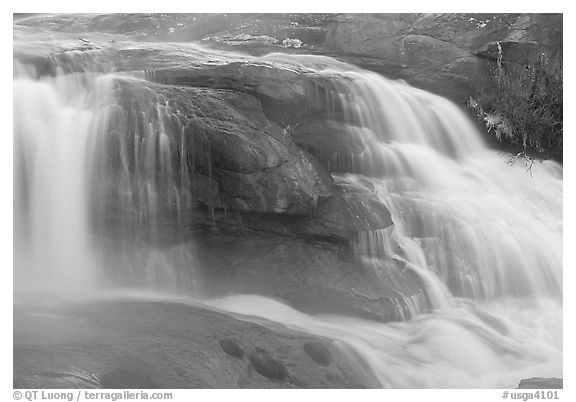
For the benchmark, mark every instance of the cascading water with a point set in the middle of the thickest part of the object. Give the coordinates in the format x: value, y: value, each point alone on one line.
x: 53, y: 123
x: 484, y: 231
x: 78, y: 131
x: 485, y: 238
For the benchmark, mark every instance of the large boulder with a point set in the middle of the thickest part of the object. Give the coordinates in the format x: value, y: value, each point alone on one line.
x: 234, y: 149
x: 288, y: 95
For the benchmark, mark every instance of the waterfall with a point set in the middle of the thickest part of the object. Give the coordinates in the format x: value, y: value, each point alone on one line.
x: 462, y: 217
x: 80, y: 169
x: 53, y: 123
x: 97, y: 149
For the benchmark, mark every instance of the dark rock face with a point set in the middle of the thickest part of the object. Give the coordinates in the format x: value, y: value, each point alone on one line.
x: 293, y: 187
x: 330, y: 141
x: 317, y: 278
x: 243, y: 161
x: 350, y: 210
x: 541, y: 383
x: 287, y: 96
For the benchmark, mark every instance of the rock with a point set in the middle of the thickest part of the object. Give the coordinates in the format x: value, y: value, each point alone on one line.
x: 231, y: 347
x: 206, y: 191
x: 514, y: 52
x: 331, y: 142
x: 444, y: 53
x: 268, y: 367
x: 291, y: 188
x: 240, y: 159
x: 176, y: 350
x: 287, y: 95
x: 526, y: 37
x: 123, y: 378
x: 423, y: 49
x: 541, y: 383
x: 439, y: 52
x: 318, y: 352
x: 229, y: 125
x: 316, y: 278
x: 262, y: 207
x: 352, y: 208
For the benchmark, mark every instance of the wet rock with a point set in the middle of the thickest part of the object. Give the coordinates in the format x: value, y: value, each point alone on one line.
x: 541, y: 383
x: 231, y: 347
x: 318, y: 352
x: 268, y: 367
x: 238, y: 158
x: 316, y: 278
x: 350, y: 210
x: 332, y: 143
x: 206, y: 190
x: 226, y: 129
x: 291, y: 188
x: 283, y: 92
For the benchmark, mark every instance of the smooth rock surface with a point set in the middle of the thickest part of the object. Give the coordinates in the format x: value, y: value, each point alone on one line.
x: 162, y: 344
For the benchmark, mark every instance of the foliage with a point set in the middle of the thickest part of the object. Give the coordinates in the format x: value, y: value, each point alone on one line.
x: 527, y: 109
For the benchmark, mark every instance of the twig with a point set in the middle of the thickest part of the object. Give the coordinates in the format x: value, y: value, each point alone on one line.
x: 529, y: 161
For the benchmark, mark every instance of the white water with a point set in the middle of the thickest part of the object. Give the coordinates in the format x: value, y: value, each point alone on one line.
x: 53, y: 124
x: 484, y: 237
x: 461, y: 214
x: 63, y: 181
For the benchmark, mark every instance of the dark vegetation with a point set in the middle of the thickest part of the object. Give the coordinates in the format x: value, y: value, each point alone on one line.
x: 526, y: 113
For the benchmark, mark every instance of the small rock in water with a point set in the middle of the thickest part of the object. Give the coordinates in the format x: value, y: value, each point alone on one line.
x: 541, y: 383
x: 231, y: 347
x: 268, y: 367
x: 318, y: 352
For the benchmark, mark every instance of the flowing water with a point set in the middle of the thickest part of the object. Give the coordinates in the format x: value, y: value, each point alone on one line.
x: 483, y: 236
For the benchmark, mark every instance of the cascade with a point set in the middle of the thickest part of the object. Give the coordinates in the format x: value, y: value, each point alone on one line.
x: 94, y: 150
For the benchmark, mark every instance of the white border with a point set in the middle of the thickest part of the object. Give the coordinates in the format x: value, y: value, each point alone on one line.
x: 305, y: 6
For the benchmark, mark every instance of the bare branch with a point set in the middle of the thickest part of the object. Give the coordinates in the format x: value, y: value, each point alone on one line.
x: 527, y: 159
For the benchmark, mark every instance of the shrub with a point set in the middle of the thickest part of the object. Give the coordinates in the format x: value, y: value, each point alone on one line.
x: 527, y: 109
